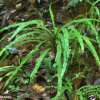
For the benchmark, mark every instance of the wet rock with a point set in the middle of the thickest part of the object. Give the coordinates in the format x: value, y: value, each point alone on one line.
x: 13, y: 50
x: 97, y: 82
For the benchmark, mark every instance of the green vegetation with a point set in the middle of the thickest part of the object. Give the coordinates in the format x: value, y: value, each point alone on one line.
x: 66, y: 42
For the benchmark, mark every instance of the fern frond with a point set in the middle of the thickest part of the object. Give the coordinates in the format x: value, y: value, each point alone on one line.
x: 89, y: 89
x: 79, y: 37
x: 6, y: 68
x: 52, y: 18
x: 15, y: 41
x: 65, y: 45
x: 59, y: 66
x: 92, y: 49
x: 38, y: 64
x: 21, y: 64
x: 95, y: 32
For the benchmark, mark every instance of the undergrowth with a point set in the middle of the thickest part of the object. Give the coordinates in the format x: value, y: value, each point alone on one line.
x: 62, y: 41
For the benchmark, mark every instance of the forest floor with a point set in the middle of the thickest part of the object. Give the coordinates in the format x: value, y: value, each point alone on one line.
x: 13, y: 12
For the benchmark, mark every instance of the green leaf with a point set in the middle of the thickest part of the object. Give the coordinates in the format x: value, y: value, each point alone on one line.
x: 15, y: 41
x: 47, y: 62
x: 92, y: 49
x: 38, y: 64
x: 79, y: 37
x: 52, y: 18
x: 21, y: 64
x: 5, y: 68
x: 65, y: 45
x: 23, y: 25
x: 59, y: 67
x: 95, y: 32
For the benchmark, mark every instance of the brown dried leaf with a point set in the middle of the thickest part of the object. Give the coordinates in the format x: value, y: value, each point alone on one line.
x: 32, y: 1
x: 77, y: 82
x: 38, y: 88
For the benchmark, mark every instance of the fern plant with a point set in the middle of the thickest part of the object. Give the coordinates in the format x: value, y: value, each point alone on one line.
x: 60, y: 40
x: 89, y: 90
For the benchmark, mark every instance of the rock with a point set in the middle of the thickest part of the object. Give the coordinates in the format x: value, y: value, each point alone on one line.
x: 97, y: 82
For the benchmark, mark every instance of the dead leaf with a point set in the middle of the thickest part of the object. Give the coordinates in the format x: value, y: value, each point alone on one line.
x: 51, y: 55
x: 18, y: 5
x: 38, y: 88
x: 77, y: 82
x: 6, y: 92
x: 1, y: 85
x: 32, y: 1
